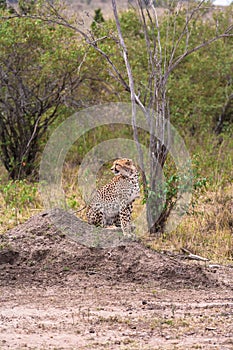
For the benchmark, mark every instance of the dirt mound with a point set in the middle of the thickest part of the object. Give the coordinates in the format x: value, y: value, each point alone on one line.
x: 36, y: 252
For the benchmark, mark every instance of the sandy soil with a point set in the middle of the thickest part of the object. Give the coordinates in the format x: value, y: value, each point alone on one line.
x: 58, y: 294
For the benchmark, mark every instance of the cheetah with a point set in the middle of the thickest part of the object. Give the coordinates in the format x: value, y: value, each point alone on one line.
x: 112, y: 204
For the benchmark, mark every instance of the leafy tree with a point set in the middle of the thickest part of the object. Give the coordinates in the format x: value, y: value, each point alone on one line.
x: 39, y: 73
x: 200, y: 89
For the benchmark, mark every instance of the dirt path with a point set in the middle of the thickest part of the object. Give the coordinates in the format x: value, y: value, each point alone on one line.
x: 127, y: 316
x: 56, y: 294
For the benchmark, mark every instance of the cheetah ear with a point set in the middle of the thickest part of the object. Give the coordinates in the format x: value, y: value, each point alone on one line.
x: 128, y: 161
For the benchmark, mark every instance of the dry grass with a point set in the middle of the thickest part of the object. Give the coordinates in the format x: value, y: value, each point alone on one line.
x: 206, y: 231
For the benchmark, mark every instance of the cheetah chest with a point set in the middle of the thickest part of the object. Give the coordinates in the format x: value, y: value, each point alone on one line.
x: 115, y: 196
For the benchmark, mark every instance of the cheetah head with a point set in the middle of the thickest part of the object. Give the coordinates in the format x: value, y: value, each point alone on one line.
x: 124, y: 166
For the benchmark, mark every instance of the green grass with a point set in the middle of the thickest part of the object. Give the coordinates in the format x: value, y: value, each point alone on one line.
x: 19, y: 200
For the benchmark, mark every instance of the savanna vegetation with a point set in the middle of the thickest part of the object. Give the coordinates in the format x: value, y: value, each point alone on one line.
x: 48, y: 72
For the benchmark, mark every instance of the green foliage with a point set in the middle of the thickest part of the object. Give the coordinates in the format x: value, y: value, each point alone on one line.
x: 95, y: 136
x: 131, y: 26
x: 18, y: 194
x: 3, y: 4
x: 72, y: 201
x: 38, y: 43
x: 174, y: 185
x: 39, y: 70
x: 26, y: 6
x: 18, y: 200
x: 98, y: 19
x: 197, y: 88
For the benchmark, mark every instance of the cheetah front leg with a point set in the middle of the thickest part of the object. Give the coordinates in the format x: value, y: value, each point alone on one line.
x: 125, y: 220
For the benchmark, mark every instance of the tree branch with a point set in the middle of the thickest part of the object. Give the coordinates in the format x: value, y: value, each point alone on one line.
x: 198, y: 47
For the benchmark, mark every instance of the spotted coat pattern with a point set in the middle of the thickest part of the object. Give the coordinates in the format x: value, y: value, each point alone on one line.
x: 112, y: 204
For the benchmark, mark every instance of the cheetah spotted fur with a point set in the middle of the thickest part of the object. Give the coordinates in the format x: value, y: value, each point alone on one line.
x: 112, y: 204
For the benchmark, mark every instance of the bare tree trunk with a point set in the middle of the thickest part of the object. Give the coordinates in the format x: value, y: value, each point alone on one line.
x: 132, y: 94
x: 226, y: 114
x: 156, y: 113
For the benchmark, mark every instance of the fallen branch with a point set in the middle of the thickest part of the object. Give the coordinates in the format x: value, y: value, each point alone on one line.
x: 192, y: 256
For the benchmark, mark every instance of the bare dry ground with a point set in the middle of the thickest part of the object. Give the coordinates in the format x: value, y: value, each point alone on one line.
x: 58, y: 294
